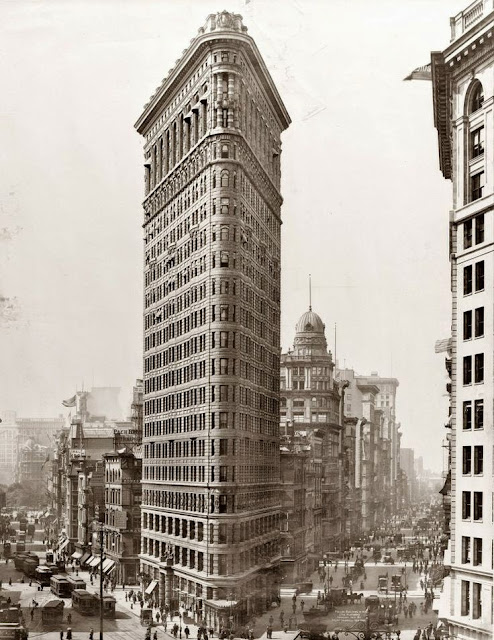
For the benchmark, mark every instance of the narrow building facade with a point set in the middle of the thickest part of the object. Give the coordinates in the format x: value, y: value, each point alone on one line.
x: 463, y: 92
x: 211, y: 474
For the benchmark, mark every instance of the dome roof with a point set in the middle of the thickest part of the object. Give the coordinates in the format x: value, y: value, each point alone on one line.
x: 310, y: 322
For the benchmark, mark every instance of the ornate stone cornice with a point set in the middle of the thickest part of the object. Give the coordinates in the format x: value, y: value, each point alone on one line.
x: 222, y: 28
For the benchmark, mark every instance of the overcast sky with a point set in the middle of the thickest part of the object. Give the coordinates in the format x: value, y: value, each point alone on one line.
x: 365, y: 205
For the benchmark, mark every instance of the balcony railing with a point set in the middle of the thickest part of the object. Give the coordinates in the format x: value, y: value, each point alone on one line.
x: 469, y: 16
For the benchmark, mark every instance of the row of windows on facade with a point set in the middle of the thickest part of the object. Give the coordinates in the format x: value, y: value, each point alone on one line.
x: 309, y: 371
x: 234, y: 394
x: 196, y: 502
x: 255, y: 252
x: 221, y: 419
x: 170, y: 202
x: 124, y: 548
x: 232, y: 367
x: 478, y: 422
x: 265, y: 327
x: 219, y: 564
x: 299, y: 416
x: 252, y: 252
x: 195, y: 447
x: 468, y: 235
x: 267, y: 282
x: 300, y: 385
x: 478, y: 460
x: 478, y: 376
x: 234, y: 108
x: 316, y: 402
x: 211, y: 474
x: 262, y: 305
x: 186, y: 91
x: 466, y: 505
x: 218, y: 532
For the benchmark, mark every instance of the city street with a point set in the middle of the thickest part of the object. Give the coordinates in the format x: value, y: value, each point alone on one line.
x: 127, y: 624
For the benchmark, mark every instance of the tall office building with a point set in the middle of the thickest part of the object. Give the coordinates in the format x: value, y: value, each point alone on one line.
x: 462, y: 78
x: 210, y: 515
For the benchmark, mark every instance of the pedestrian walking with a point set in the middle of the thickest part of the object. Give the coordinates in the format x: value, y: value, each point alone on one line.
x: 91, y: 634
x: 69, y: 618
x: 302, y: 605
x: 68, y: 635
x: 187, y: 632
x: 155, y: 635
x: 10, y: 582
x: 61, y: 635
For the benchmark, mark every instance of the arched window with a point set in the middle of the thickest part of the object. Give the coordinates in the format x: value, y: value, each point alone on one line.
x: 475, y: 97
x: 214, y: 180
x: 225, y: 178
x: 225, y: 150
x: 224, y: 233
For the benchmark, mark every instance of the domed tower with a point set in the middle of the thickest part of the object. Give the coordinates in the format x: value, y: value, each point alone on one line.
x: 309, y: 406
x: 310, y: 338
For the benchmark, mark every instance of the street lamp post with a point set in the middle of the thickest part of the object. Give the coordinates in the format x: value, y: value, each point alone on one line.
x: 230, y: 621
x: 101, y: 534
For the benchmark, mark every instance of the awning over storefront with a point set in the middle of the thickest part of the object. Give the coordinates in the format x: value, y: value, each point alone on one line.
x: 76, y: 555
x: 108, y: 565
x: 64, y: 544
x: 85, y: 557
x: 151, y: 587
x: 95, y: 561
x: 222, y: 604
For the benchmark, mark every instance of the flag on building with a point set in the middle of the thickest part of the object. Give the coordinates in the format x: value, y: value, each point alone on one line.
x: 70, y: 402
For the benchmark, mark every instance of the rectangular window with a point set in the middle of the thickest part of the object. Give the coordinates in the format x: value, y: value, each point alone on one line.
x: 479, y: 367
x: 479, y: 275
x: 465, y: 598
x: 465, y: 550
x: 479, y: 229
x: 467, y: 370
x: 224, y: 366
x: 478, y: 504
x: 476, y: 600
x: 478, y: 460
x: 467, y: 415
x: 223, y: 339
x: 476, y: 186
x: 477, y: 551
x: 467, y: 460
x: 467, y: 325
x: 477, y: 142
x: 466, y: 505
x: 479, y: 322
x: 467, y: 279
x: 479, y: 414
x: 467, y: 234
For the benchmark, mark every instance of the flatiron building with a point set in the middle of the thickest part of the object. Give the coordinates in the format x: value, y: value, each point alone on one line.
x: 210, y: 500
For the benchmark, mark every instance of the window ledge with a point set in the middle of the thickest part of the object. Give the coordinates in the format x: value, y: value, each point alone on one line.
x: 476, y: 160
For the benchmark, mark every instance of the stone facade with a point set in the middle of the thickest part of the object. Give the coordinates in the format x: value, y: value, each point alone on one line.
x: 310, y: 403
x: 463, y: 91
x: 210, y: 515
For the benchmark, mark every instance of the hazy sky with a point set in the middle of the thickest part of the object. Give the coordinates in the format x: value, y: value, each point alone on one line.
x: 365, y: 211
